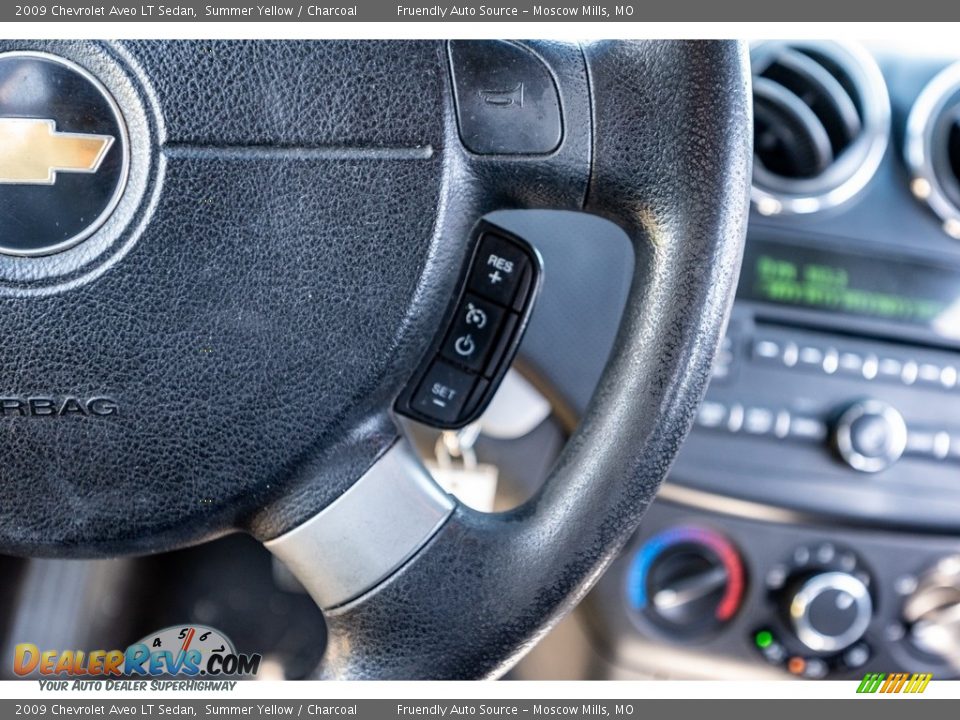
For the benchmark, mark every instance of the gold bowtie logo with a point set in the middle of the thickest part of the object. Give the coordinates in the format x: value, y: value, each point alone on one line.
x: 32, y: 152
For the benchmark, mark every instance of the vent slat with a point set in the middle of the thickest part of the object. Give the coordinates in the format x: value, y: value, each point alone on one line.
x: 821, y: 124
x: 789, y: 138
x: 823, y: 94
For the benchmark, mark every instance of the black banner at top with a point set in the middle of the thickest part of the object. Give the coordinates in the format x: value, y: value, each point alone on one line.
x: 473, y: 11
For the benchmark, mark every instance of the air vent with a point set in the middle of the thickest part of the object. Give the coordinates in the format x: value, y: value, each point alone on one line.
x: 933, y: 147
x: 821, y: 124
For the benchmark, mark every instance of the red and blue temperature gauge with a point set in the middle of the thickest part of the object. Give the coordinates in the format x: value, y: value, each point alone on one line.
x: 687, y: 578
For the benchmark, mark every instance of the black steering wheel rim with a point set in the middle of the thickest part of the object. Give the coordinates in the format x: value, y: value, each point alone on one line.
x: 671, y: 165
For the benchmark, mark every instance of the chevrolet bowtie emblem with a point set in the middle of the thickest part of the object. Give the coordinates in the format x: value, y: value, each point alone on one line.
x: 32, y: 152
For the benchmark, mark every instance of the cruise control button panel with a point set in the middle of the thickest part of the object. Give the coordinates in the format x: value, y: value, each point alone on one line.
x: 480, y: 335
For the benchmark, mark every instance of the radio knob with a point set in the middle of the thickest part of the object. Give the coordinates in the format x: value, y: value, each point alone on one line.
x: 870, y: 435
x: 932, y: 612
x: 829, y: 611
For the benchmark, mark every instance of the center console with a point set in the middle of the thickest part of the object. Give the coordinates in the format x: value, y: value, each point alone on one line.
x: 811, y: 525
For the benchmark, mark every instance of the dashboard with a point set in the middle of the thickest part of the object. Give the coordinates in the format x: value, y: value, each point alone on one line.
x: 810, y: 525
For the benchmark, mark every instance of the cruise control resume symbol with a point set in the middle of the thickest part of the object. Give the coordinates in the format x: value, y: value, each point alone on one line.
x: 476, y: 316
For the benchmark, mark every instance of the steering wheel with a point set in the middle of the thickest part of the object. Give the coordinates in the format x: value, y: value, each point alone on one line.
x: 291, y: 221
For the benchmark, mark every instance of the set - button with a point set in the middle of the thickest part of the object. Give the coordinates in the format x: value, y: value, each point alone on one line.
x: 445, y: 392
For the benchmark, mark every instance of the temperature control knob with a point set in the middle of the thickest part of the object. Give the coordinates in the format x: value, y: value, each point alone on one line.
x: 829, y: 611
x: 932, y: 612
x: 686, y: 581
x: 870, y: 435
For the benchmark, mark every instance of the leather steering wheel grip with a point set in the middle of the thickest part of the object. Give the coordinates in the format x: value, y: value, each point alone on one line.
x: 671, y: 154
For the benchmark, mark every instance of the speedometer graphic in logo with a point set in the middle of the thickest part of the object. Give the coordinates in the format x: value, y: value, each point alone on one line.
x: 184, y: 638
x: 188, y: 650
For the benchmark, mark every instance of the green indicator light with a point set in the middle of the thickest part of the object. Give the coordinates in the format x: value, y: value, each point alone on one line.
x: 763, y: 639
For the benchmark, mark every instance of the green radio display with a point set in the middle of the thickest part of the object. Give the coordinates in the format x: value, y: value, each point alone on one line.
x: 847, y: 283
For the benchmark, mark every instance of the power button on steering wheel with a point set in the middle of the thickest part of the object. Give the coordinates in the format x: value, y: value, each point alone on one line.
x: 475, y: 330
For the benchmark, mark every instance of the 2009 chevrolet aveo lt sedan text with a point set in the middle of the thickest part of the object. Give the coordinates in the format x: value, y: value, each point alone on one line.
x: 249, y: 286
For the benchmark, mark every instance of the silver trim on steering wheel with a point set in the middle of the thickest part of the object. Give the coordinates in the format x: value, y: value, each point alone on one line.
x: 357, y: 541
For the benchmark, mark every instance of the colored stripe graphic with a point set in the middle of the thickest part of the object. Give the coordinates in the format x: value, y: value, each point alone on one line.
x: 919, y: 682
x: 871, y: 682
x: 894, y: 683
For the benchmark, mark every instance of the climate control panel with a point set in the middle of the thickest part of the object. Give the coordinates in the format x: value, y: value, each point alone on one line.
x: 820, y: 607
x: 765, y: 594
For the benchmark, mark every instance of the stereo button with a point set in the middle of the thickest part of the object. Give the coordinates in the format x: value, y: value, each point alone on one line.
x: 930, y: 444
x: 767, y: 349
x: 712, y: 414
x: 758, y: 421
x: 811, y: 357
x: 928, y: 374
x: 890, y: 369
x: 806, y: 428
x: 850, y: 363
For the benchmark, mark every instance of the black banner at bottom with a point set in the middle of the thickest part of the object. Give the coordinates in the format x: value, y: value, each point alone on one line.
x: 875, y: 707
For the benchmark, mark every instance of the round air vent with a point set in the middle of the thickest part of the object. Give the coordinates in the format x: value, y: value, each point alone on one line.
x: 821, y: 124
x: 933, y: 147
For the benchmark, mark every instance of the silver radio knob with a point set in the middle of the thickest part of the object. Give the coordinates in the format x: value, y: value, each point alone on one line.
x: 870, y: 435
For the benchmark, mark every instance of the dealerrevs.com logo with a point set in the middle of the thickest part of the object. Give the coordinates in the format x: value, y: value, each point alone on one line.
x: 188, y: 651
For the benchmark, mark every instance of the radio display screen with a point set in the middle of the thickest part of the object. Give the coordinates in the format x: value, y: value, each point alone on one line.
x: 910, y: 292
